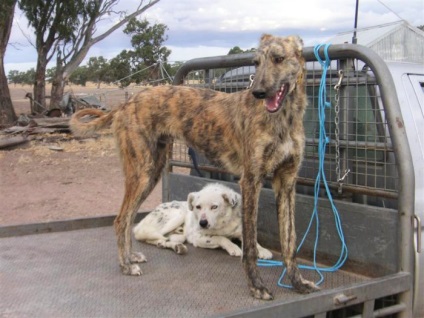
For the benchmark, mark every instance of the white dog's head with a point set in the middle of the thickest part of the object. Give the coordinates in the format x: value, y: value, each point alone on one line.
x: 214, y: 205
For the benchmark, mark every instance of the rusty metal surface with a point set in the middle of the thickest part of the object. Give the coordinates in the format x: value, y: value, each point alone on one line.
x: 76, y: 274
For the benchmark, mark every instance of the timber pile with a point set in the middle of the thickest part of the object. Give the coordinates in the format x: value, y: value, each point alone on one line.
x: 27, y: 127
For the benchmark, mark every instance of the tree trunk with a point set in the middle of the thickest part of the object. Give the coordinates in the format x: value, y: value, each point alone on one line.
x: 7, y: 112
x: 58, y: 87
x: 39, y: 104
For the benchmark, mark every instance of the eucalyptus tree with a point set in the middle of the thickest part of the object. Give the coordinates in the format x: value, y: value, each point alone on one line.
x: 7, y: 112
x: 72, y: 53
x: 148, y: 49
x: 53, y: 21
x: 67, y: 30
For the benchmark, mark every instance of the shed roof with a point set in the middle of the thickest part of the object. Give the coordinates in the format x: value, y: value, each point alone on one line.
x: 370, y: 35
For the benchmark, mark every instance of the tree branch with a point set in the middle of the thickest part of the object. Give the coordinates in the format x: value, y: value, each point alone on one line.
x: 125, y: 20
x: 89, y: 41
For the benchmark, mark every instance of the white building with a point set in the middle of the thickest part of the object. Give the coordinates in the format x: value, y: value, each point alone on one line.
x: 396, y: 41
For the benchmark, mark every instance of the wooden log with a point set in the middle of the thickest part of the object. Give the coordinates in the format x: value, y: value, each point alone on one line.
x: 13, y: 141
x: 54, y: 122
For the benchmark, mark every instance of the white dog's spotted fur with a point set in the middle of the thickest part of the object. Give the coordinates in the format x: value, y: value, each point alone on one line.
x: 209, y: 219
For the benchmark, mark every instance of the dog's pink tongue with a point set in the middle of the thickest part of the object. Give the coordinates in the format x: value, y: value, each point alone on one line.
x: 273, y: 102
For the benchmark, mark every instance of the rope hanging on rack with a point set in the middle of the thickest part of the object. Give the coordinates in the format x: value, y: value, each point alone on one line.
x: 321, y: 178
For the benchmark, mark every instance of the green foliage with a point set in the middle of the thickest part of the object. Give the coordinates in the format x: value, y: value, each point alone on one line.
x: 18, y: 77
x: 53, y: 20
x: 238, y: 50
x: 147, y: 41
x: 148, y: 51
x: 131, y: 66
x: 235, y: 50
x: 50, y: 74
x: 120, y: 68
x: 5, y: 6
x: 175, y: 67
x: 98, y: 69
x: 80, y: 76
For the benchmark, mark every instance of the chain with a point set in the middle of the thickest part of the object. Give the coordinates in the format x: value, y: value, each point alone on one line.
x: 340, y: 178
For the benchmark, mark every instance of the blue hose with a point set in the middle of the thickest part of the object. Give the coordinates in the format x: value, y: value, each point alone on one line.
x: 321, y: 178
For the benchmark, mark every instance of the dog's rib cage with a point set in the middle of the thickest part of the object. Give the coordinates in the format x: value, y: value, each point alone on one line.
x: 365, y: 146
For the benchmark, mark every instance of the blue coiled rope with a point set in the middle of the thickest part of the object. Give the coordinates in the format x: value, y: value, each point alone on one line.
x: 321, y: 178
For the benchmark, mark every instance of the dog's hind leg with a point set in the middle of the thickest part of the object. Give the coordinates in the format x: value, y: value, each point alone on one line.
x: 250, y: 188
x: 142, y: 168
x: 284, y: 183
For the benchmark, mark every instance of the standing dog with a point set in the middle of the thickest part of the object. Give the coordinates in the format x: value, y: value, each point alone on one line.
x: 251, y: 133
x: 209, y: 218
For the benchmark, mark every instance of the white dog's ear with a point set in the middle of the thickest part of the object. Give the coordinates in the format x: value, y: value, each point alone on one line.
x: 190, y: 199
x: 232, y: 198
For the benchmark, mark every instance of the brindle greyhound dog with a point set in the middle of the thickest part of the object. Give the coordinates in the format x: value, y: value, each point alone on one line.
x: 252, y: 133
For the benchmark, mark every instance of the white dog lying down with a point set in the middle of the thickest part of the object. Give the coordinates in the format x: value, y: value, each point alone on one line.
x: 209, y: 219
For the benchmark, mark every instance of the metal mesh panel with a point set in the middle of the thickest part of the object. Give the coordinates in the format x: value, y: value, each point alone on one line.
x: 364, y: 143
x: 227, y: 80
x: 180, y: 152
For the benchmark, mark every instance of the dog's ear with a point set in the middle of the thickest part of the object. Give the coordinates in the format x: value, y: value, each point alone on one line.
x: 231, y: 198
x: 265, y: 37
x: 190, y: 199
x: 297, y: 42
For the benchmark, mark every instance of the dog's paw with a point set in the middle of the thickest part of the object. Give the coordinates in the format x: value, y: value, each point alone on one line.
x: 137, y: 257
x: 261, y: 293
x: 180, y: 249
x: 264, y: 253
x: 161, y: 244
x: 305, y: 286
x: 234, y: 251
x: 131, y: 269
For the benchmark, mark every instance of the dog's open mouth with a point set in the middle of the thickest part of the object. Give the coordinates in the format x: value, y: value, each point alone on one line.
x: 274, y: 103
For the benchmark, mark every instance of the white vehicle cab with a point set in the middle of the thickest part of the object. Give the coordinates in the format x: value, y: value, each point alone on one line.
x: 409, y: 82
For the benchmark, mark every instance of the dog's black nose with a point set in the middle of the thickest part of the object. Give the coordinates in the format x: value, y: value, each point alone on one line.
x: 203, y: 223
x: 259, y: 94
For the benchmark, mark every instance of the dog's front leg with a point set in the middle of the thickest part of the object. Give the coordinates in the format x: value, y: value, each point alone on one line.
x: 217, y: 242
x: 250, y: 188
x: 284, y: 186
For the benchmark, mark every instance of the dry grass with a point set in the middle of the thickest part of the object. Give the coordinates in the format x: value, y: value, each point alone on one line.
x: 45, y: 146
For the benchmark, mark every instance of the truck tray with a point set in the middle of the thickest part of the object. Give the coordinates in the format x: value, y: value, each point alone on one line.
x: 76, y: 274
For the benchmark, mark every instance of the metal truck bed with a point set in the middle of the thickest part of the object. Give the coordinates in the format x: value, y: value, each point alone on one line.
x: 76, y: 274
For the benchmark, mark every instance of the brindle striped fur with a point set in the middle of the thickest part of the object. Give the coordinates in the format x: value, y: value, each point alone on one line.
x: 235, y: 131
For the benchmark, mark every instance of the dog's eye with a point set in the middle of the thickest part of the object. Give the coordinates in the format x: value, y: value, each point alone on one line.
x: 278, y: 59
x: 198, y: 207
x: 214, y: 207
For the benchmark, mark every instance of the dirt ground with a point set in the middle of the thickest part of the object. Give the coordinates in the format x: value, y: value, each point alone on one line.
x: 83, y: 179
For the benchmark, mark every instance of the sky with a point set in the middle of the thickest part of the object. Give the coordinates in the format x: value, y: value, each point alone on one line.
x: 201, y: 28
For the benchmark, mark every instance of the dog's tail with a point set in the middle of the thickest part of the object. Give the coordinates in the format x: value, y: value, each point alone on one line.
x: 84, y: 126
